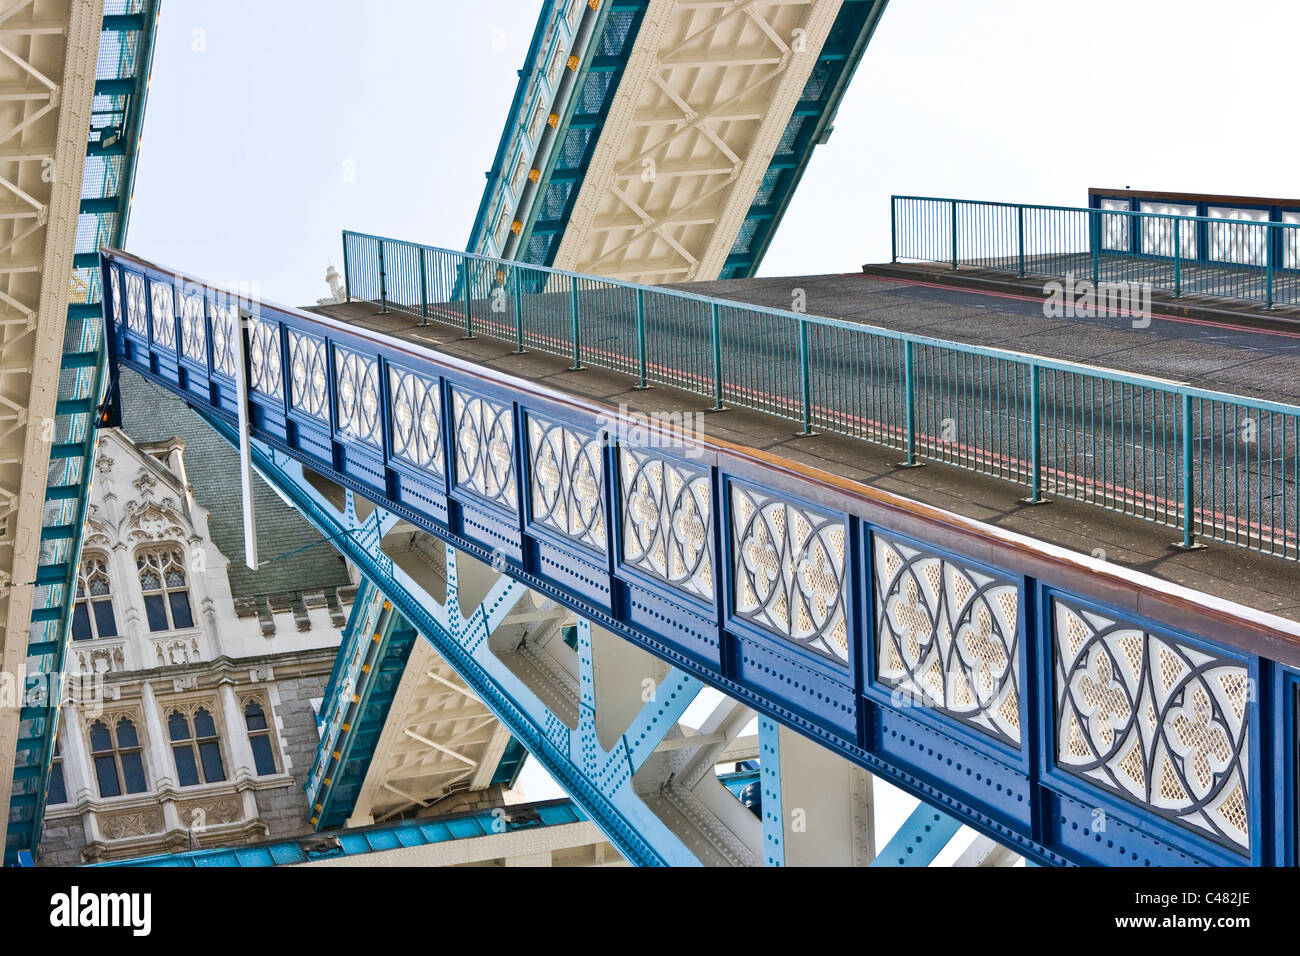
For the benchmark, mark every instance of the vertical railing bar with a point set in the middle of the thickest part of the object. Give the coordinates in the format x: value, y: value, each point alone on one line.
x: 640, y: 339
x: 1189, y: 510
x: 464, y: 284
x: 1020, y: 235
x: 909, y: 399
x: 1178, y: 258
x: 519, y: 312
x: 954, y: 234
x: 577, y: 345
x: 424, y: 288
x: 717, y: 360
x: 804, y: 377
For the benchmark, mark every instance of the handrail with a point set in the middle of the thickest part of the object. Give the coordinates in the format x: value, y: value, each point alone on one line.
x: 1009, y: 414
x: 1252, y: 258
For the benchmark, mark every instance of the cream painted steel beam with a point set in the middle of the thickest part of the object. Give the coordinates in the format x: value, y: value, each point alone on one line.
x: 48, y: 54
x: 699, y: 113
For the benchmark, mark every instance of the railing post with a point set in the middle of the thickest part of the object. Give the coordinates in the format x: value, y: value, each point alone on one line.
x: 1094, y: 241
x: 519, y: 313
x: 1020, y: 233
x: 893, y: 228
x: 424, y: 288
x: 464, y: 286
x: 1268, y: 266
x: 717, y: 362
x: 1036, y: 436
x: 347, y: 279
x: 1189, y: 509
x: 1178, y: 259
x: 640, y: 339
x: 805, y: 377
x: 953, y: 204
x: 909, y: 402
x: 383, y: 292
x: 577, y: 344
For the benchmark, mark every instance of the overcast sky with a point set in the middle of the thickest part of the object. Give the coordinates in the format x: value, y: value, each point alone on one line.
x: 273, y: 125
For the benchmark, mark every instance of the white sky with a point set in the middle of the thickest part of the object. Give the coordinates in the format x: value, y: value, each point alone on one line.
x: 248, y: 139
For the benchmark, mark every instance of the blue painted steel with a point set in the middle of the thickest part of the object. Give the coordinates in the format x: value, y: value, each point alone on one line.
x: 599, y: 781
x: 572, y: 138
x: 125, y: 57
x: 366, y: 840
x: 919, y: 840
x: 355, y: 708
x: 1014, y: 793
x: 769, y: 769
x: 740, y: 780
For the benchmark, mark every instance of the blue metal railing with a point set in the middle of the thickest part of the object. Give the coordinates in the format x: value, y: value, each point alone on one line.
x: 1210, y: 464
x: 1257, y: 260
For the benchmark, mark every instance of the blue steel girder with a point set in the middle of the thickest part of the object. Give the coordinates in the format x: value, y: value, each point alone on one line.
x: 374, y: 653
x: 367, y: 840
x: 1030, y: 769
x: 560, y: 150
x: 122, y: 73
x: 598, y: 780
x: 920, y: 839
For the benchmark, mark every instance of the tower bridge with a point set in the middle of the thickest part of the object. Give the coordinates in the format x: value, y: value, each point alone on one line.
x: 1027, y: 636
x: 1016, y: 686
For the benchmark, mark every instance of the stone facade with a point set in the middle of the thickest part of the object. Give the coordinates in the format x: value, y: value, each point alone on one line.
x: 193, y: 720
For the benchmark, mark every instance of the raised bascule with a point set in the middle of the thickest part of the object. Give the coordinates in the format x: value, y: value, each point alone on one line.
x: 74, y: 75
x: 552, y: 570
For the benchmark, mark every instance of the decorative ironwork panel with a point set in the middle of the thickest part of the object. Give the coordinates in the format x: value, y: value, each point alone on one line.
x: 947, y: 636
x: 567, y: 483
x: 136, y: 315
x: 1158, y: 233
x: 667, y: 521
x: 1115, y: 229
x: 417, y: 419
x: 788, y: 569
x: 357, y: 379
x: 194, y: 333
x: 164, y: 314
x: 115, y: 282
x: 485, y: 463
x: 308, y: 377
x: 1244, y: 241
x: 1154, y: 720
x: 264, y: 358
x: 223, y: 338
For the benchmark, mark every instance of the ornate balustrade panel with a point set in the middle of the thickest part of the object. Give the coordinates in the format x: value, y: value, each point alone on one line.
x: 1075, y: 712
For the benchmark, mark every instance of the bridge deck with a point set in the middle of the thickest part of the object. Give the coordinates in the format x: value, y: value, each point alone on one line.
x: 1242, y: 361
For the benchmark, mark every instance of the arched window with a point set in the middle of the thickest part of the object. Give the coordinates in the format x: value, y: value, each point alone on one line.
x: 56, y: 793
x: 162, y: 582
x: 117, y: 758
x: 259, y: 736
x: 93, y: 615
x: 196, y: 747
